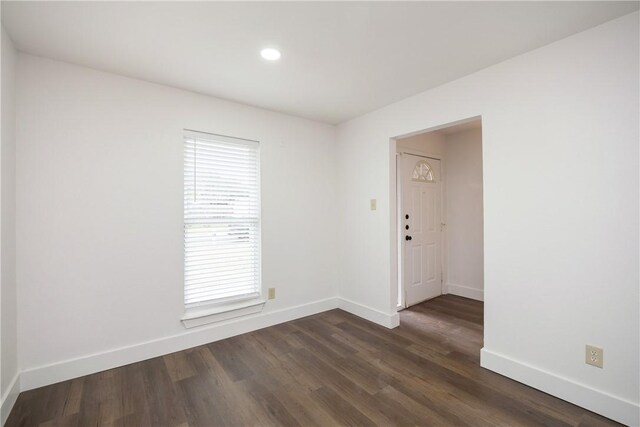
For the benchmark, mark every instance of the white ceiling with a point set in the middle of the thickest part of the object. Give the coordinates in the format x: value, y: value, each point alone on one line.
x: 339, y: 60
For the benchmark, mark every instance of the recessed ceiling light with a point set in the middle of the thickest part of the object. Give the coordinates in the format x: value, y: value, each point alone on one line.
x: 270, y: 54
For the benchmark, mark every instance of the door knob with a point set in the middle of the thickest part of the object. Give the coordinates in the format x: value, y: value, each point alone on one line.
x: 408, y: 237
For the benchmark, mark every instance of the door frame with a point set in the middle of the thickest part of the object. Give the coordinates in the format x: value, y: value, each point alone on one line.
x: 394, y: 267
x: 402, y: 302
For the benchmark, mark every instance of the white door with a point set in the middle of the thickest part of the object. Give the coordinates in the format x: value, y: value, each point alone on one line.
x: 421, y: 228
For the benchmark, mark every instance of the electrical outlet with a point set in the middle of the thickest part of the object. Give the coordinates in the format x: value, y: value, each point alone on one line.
x: 594, y: 356
x: 272, y: 293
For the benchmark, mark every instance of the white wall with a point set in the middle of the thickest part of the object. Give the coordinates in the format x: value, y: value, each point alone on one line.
x: 463, y: 181
x: 430, y: 142
x: 8, y: 320
x: 100, y: 245
x: 560, y: 172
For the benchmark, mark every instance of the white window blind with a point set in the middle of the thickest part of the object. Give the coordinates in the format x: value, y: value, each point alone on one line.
x: 221, y: 218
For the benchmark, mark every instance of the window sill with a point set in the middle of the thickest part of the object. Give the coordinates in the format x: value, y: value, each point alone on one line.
x: 202, y: 315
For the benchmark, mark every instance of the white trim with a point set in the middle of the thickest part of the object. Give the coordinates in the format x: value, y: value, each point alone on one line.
x: 371, y: 314
x: 89, y: 364
x: 605, y: 404
x: 440, y: 127
x: 68, y: 369
x: 465, y: 291
x: 204, y: 316
x: 9, y: 398
x: 395, y: 212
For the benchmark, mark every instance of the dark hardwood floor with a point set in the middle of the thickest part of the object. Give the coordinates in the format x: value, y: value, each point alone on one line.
x: 329, y: 369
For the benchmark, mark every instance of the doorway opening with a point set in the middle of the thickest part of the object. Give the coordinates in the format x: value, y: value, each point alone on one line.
x: 439, y: 213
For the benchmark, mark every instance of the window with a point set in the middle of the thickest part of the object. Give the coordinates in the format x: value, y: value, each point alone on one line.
x: 423, y: 172
x: 221, y: 219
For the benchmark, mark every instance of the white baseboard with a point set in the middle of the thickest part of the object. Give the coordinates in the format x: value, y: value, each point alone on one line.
x: 602, y: 403
x: 610, y: 406
x: 387, y: 320
x: 66, y: 370
x: 465, y: 291
x: 9, y: 398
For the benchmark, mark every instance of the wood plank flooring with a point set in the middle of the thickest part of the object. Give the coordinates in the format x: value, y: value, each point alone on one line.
x: 325, y: 370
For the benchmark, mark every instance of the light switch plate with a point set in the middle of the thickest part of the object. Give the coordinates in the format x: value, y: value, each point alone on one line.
x: 272, y: 293
x: 373, y: 204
